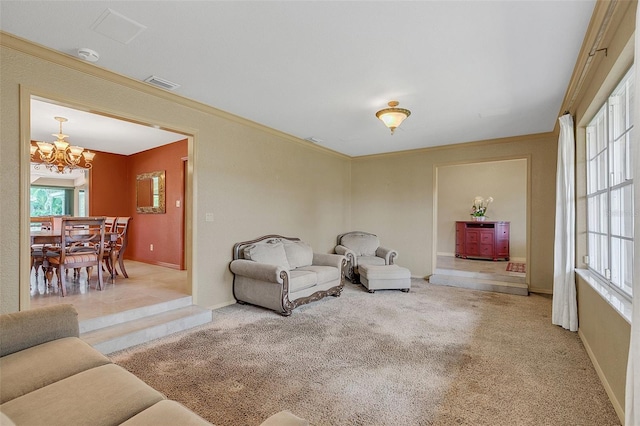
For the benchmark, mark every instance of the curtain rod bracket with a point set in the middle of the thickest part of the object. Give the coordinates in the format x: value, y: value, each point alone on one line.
x: 599, y: 50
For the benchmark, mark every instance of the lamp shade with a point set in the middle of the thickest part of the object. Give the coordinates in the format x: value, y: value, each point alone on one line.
x: 392, y: 117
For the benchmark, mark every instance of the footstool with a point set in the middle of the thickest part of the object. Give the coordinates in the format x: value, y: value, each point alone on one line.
x: 385, y: 277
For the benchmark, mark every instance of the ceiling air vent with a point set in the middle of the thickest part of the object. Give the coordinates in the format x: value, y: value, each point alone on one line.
x: 162, y: 83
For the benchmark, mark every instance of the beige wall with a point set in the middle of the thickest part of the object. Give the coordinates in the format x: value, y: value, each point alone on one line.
x: 254, y: 180
x: 459, y: 184
x: 605, y: 335
x: 393, y: 197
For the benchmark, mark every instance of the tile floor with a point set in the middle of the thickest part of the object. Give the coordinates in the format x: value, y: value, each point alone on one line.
x: 146, y: 285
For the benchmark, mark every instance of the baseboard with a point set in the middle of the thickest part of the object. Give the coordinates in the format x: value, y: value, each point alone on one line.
x: 603, y: 379
x: 222, y: 305
x: 446, y: 254
x: 540, y: 290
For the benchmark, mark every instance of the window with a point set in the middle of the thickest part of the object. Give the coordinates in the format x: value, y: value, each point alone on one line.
x: 610, y: 189
x: 51, y: 201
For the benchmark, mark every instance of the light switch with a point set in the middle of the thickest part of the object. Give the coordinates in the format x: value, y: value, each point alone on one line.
x: 177, y: 203
x: 208, y: 217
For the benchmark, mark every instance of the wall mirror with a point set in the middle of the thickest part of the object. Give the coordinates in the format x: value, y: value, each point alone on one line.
x: 150, y: 192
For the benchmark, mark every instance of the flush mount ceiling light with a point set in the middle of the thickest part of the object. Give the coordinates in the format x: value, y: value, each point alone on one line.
x: 59, y: 156
x: 392, y: 117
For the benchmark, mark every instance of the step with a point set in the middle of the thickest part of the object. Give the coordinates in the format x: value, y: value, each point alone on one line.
x: 512, y: 277
x: 480, y: 284
x: 133, y: 314
x: 141, y: 330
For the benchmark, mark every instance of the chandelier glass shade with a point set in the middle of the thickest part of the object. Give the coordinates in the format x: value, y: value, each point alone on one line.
x: 60, y: 156
x: 392, y: 117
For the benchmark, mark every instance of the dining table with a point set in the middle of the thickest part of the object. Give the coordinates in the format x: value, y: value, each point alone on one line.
x: 54, y: 237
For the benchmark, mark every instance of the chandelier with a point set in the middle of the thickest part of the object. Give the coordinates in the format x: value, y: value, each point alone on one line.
x: 392, y: 117
x: 59, y: 156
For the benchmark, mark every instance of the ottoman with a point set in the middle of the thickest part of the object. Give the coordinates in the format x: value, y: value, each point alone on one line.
x: 385, y: 277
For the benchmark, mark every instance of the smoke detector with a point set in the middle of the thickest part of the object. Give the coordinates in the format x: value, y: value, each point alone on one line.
x: 88, y: 55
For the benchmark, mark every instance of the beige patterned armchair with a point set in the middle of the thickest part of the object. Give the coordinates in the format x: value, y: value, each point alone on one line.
x: 362, y: 248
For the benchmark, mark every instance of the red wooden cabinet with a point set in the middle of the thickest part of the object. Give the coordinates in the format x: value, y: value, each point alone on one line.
x: 483, y: 240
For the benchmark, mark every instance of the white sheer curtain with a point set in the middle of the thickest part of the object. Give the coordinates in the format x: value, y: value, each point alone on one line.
x: 632, y: 393
x: 565, y: 305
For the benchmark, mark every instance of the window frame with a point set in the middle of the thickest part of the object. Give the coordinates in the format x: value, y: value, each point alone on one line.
x: 614, y: 126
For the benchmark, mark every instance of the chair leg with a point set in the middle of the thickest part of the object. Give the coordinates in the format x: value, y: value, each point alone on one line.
x: 89, y: 272
x: 61, y: 273
x: 48, y: 275
x: 121, y: 263
x: 100, y: 284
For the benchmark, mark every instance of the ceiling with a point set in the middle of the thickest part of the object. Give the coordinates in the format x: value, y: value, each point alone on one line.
x: 467, y: 70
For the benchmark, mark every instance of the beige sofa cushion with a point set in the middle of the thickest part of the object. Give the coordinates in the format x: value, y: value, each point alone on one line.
x: 105, y: 395
x: 361, y: 244
x: 5, y: 420
x: 25, y: 371
x: 269, y: 253
x: 166, y: 412
x: 324, y: 274
x: 299, y: 280
x: 298, y: 253
x: 371, y: 260
x: 24, y: 329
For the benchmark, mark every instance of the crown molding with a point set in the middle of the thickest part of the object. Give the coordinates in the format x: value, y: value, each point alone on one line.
x: 510, y: 139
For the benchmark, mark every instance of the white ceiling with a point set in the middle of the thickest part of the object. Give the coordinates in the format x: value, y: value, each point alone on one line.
x: 467, y: 70
x: 95, y: 132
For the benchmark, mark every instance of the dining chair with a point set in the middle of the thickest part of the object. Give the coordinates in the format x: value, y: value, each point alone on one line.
x: 39, y: 223
x: 109, y: 223
x: 82, y: 247
x: 121, y: 228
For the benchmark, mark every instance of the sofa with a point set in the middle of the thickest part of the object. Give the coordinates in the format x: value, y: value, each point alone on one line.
x: 282, y: 273
x: 49, y: 376
x: 362, y: 248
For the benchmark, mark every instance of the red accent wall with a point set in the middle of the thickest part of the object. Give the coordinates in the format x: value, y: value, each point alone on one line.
x: 109, y: 189
x: 112, y: 193
x: 164, y: 231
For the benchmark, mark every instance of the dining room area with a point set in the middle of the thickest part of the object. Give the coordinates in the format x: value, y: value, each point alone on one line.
x: 107, y: 229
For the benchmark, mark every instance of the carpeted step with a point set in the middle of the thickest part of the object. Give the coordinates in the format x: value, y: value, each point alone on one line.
x: 480, y: 284
x: 509, y: 277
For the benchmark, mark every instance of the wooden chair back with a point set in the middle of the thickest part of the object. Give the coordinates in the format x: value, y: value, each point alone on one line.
x: 109, y: 223
x: 41, y: 223
x: 120, y: 227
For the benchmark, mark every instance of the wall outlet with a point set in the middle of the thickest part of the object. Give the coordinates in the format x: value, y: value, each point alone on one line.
x: 177, y: 203
x: 208, y: 217
x: 151, y: 247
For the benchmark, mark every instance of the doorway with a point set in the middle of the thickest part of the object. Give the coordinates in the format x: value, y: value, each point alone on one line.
x: 108, y: 128
x: 457, y: 185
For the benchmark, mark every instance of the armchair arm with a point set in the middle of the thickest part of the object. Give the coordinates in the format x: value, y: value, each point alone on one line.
x: 348, y: 253
x: 24, y: 329
x: 387, y: 254
x: 321, y: 259
x: 257, y: 271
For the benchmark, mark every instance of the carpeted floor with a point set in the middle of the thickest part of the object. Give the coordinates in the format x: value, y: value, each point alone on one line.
x: 433, y: 356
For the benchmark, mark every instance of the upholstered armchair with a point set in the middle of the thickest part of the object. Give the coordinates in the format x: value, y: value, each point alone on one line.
x: 362, y: 248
